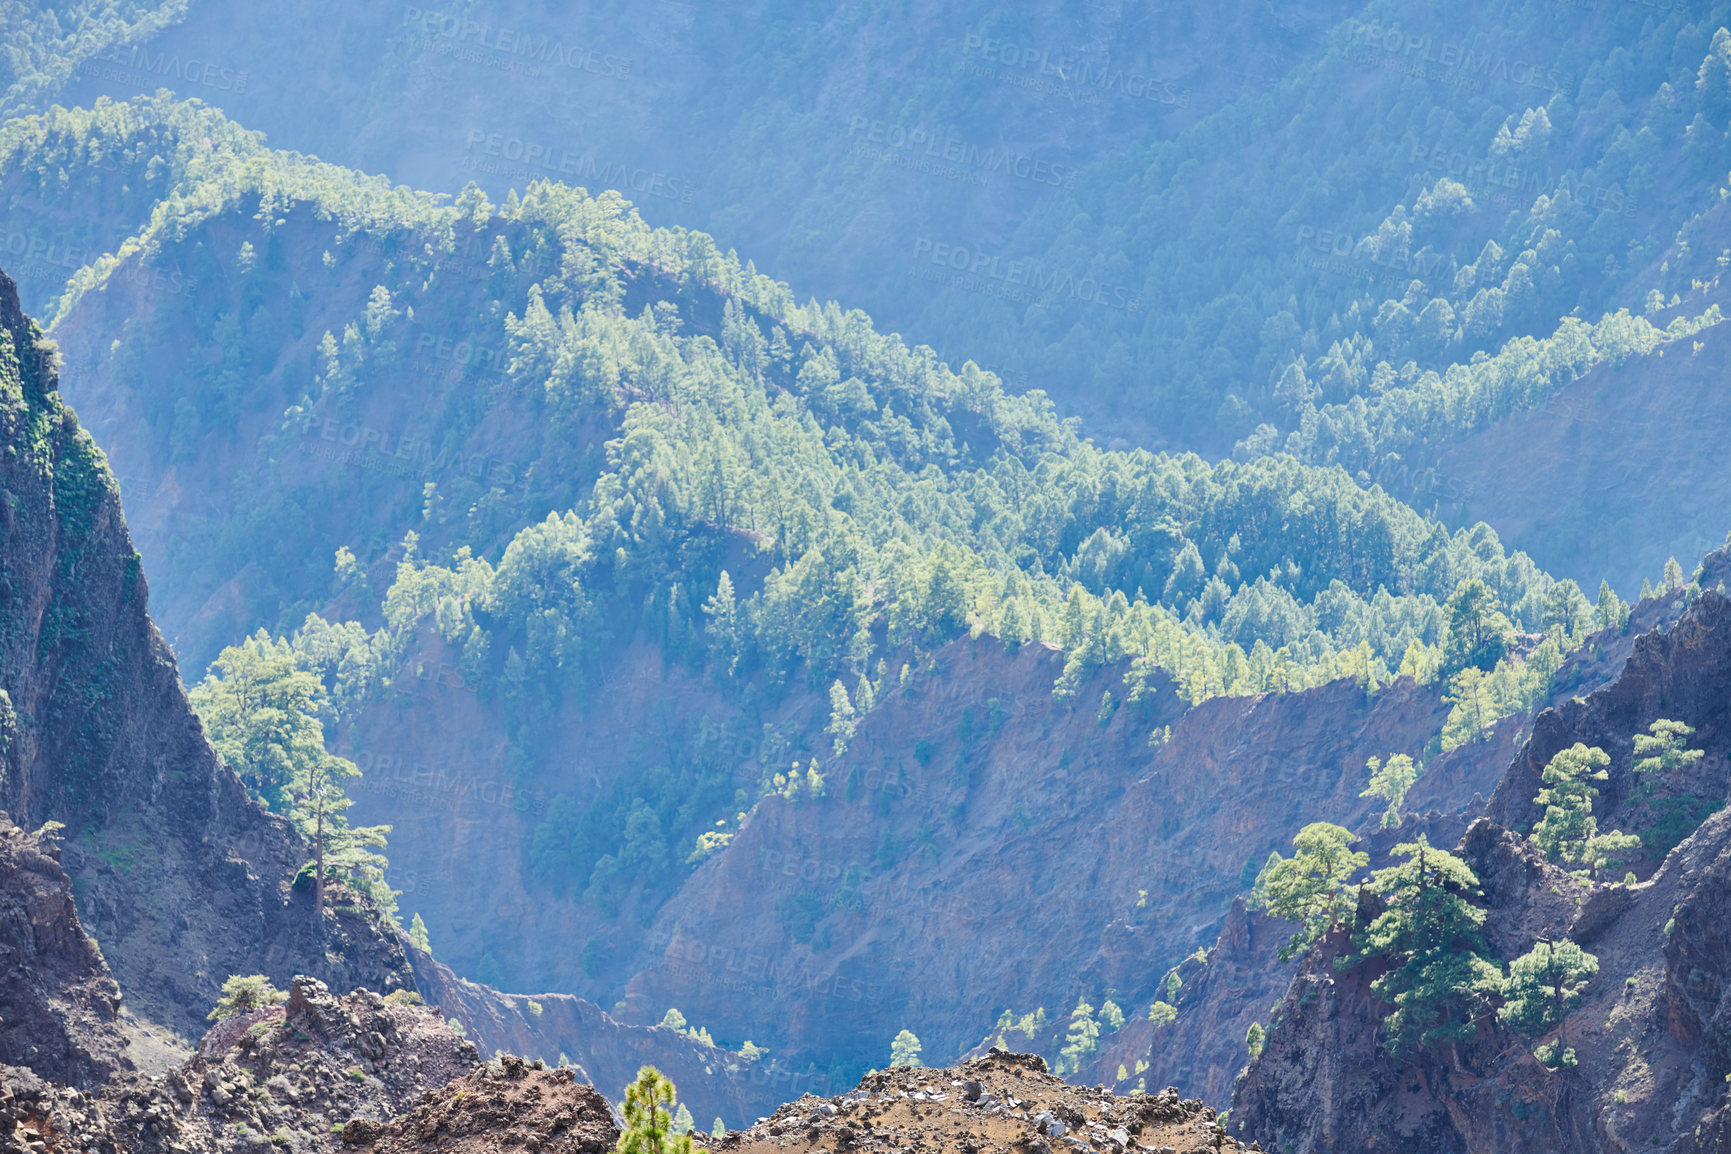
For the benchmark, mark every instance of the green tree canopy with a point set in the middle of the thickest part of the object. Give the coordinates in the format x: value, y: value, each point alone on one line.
x: 244, y: 993
x: 1664, y: 749
x: 1478, y: 632
x: 1439, y: 981
x: 649, y: 1125
x: 261, y: 706
x: 1544, y: 984
x: 1390, y: 781
x: 905, y: 1049
x: 1569, y: 833
x: 1310, y: 887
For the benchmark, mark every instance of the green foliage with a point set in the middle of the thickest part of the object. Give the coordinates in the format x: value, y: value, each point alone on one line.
x: 1253, y: 1040
x: 1082, y: 1039
x: 1439, y: 980
x: 1390, y: 782
x: 261, y: 706
x: 1664, y: 749
x: 1543, y: 985
x: 1478, y: 632
x: 47, y: 43
x: 244, y: 993
x: 1569, y: 833
x: 649, y: 1126
x: 1310, y: 887
x: 1111, y: 1015
x: 1031, y: 1025
x: 1162, y: 1014
x: 905, y: 1049
x: 418, y: 935
x: 672, y: 1020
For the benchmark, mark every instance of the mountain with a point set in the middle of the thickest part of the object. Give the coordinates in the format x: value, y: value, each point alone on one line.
x: 1639, y: 1031
x: 178, y: 873
x: 534, y: 437
x: 182, y: 878
x: 1244, y: 215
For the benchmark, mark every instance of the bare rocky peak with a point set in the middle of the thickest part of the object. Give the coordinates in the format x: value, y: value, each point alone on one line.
x: 1001, y: 1103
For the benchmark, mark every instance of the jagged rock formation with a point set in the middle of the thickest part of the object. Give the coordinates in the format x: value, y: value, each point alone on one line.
x: 58, y: 1002
x: 999, y: 1103
x: 181, y: 877
x: 290, y: 1076
x: 514, y: 1103
x: 1653, y: 1035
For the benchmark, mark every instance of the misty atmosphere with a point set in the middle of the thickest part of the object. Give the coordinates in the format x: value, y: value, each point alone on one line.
x: 1075, y: 578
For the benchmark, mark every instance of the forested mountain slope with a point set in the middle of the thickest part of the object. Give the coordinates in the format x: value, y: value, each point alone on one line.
x: 838, y: 147
x: 1225, y: 215
x: 182, y: 878
x: 633, y: 543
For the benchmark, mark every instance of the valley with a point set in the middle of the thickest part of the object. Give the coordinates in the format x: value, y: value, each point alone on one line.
x: 940, y: 578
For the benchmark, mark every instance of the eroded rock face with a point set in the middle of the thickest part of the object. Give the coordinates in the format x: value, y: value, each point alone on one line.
x: 290, y: 1076
x: 1652, y: 1037
x: 180, y: 876
x: 58, y: 1002
x: 1036, y: 850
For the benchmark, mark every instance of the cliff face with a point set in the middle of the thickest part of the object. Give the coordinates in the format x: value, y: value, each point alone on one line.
x: 178, y: 874
x: 1651, y: 1035
x: 58, y: 1003
x: 983, y: 847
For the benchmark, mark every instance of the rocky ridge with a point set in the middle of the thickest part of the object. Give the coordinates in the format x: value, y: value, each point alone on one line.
x: 1001, y: 1103
x: 1652, y: 1037
x: 180, y: 875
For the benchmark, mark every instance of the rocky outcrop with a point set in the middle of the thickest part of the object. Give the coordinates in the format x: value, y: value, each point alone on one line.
x: 1652, y: 1037
x: 181, y: 877
x: 302, y: 1076
x: 58, y: 1002
x: 1001, y: 1103
x: 515, y: 1103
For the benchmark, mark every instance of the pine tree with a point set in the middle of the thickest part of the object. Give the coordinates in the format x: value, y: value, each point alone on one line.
x: 1478, y: 632
x: 1439, y: 980
x: 244, y: 993
x: 418, y: 935
x: 1544, y: 984
x: 1082, y: 1039
x: 1253, y: 1039
x: 1664, y: 749
x: 1390, y: 782
x: 1569, y: 833
x: 1310, y: 887
x: 905, y: 1049
x: 1610, y: 612
x: 649, y: 1103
